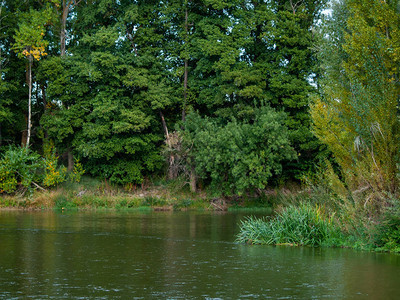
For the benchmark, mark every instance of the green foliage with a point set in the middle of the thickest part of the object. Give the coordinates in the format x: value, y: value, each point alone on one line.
x: 238, y: 156
x: 8, y: 180
x: 126, y: 64
x: 77, y: 172
x: 125, y: 170
x: 127, y: 203
x: 53, y: 175
x: 62, y: 202
x: 107, y: 100
x: 257, y: 53
x: 22, y: 169
x: 182, y: 204
x: 29, y: 41
x: 388, y: 232
x: 295, y: 225
x: 154, y: 201
x: 18, y: 168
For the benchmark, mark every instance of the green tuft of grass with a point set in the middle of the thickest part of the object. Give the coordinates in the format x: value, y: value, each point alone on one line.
x: 63, y: 201
x: 294, y: 225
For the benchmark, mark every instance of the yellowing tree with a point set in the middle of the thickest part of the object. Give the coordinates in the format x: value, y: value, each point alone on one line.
x: 31, y: 45
x: 357, y: 117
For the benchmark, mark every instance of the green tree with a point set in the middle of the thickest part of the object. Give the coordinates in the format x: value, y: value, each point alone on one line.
x: 292, y: 69
x: 13, y: 86
x: 244, y: 54
x: 112, y: 88
x: 5, y: 87
x: 238, y: 156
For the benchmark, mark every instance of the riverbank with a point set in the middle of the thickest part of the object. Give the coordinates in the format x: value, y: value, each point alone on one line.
x: 300, y: 218
x: 160, y: 195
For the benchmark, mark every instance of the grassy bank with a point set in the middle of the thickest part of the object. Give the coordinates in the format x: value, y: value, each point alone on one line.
x: 158, y: 195
x: 300, y: 218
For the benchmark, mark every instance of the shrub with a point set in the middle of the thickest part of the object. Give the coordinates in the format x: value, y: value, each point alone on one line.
x: 77, y: 172
x: 388, y: 232
x: 21, y: 169
x: 302, y: 225
x: 18, y: 168
x: 53, y: 174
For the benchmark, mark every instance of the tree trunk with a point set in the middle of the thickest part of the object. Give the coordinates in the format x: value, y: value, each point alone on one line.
x: 165, y: 128
x: 64, y: 16
x: 66, y: 4
x: 24, y: 132
x: 46, y: 135
x: 171, y: 173
x: 28, y: 137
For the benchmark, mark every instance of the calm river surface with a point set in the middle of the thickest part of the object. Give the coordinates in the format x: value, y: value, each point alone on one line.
x: 168, y: 255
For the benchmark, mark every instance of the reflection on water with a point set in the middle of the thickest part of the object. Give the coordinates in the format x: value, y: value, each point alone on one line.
x: 173, y: 255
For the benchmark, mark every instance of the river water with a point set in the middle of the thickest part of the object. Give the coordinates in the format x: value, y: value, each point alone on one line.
x: 174, y: 255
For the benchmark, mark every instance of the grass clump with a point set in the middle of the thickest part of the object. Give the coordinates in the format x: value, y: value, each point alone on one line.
x: 293, y: 225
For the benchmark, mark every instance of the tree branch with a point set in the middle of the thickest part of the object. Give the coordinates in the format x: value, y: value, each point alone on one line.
x: 34, y: 183
x: 38, y: 186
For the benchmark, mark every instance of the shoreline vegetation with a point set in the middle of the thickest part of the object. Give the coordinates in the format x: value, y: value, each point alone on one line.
x: 318, y: 225
x: 207, y: 105
x: 296, y: 217
x: 94, y: 194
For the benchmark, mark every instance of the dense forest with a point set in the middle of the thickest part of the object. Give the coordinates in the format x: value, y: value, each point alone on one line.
x: 216, y: 91
x: 234, y: 95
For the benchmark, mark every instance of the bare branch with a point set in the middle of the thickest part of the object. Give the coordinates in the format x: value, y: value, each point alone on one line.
x: 38, y: 186
x: 132, y: 39
x: 34, y: 183
x: 296, y: 5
